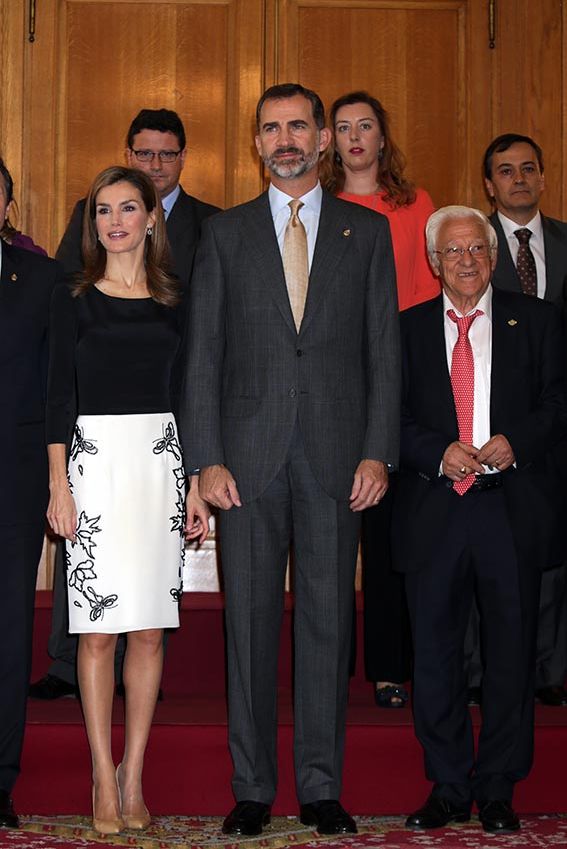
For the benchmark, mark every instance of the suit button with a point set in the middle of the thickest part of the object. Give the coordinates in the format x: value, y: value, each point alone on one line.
x: 299, y: 352
x: 292, y: 392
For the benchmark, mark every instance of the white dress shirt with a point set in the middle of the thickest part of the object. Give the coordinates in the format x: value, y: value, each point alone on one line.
x: 480, y: 337
x: 309, y: 215
x: 168, y: 201
x: 536, y: 244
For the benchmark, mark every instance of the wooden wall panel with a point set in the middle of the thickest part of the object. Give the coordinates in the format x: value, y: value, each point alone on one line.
x: 529, y: 85
x: 96, y: 63
x: 413, y: 56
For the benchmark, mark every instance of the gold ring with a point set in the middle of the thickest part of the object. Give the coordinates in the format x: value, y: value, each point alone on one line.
x: 463, y: 470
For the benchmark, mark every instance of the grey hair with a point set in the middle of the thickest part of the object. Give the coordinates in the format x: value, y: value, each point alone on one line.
x: 450, y: 213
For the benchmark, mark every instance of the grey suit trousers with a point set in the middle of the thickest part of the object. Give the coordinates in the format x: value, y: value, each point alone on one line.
x: 255, y: 541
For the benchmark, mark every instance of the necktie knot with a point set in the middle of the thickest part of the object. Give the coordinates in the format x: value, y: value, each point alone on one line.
x: 523, y: 235
x: 295, y: 205
x: 463, y: 322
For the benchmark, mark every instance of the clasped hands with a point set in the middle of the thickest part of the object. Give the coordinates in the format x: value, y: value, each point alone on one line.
x: 218, y: 487
x: 461, y: 459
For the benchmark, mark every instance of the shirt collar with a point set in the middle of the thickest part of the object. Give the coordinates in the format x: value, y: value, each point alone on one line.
x: 485, y: 304
x: 168, y: 201
x: 279, y: 200
x: 510, y: 226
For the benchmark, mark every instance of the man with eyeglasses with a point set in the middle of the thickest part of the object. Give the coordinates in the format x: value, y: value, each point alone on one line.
x: 532, y: 259
x: 155, y: 144
x: 477, y: 513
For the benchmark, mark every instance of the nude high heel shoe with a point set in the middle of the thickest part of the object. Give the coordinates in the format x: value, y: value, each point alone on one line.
x: 137, y: 822
x: 110, y: 826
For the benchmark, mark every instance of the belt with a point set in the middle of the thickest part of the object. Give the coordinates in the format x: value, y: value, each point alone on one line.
x: 485, y: 482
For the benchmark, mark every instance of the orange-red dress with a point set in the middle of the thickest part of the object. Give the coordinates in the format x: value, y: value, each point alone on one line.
x: 416, y: 281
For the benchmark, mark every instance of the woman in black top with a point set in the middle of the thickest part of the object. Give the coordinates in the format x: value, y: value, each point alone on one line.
x: 114, y: 340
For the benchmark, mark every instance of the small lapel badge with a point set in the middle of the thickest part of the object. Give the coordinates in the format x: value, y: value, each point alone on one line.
x: 13, y: 277
x: 346, y: 233
x: 512, y: 322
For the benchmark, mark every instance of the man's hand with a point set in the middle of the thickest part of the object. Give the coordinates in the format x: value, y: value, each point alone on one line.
x: 497, y: 453
x: 460, y: 460
x: 369, y: 485
x: 218, y: 487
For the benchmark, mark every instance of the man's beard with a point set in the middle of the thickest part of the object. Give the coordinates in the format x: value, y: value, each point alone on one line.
x: 288, y: 170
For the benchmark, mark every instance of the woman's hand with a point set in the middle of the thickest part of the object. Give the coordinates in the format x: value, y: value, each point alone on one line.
x: 62, y: 513
x: 198, y: 513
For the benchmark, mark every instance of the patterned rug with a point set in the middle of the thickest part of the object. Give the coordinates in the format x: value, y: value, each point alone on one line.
x: 538, y: 832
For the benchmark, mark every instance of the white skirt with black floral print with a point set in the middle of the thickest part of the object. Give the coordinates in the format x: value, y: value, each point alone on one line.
x: 125, y: 566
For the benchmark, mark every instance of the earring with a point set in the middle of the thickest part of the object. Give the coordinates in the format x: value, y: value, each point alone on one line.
x: 338, y: 159
x: 149, y: 231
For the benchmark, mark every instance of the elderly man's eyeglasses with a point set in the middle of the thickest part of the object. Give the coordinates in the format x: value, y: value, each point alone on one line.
x: 162, y: 155
x: 452, y: 253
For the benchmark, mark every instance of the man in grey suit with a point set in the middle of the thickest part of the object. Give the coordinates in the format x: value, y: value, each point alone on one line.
x: 514, y: 180
x: 155, y: 144
x: 291, y: 413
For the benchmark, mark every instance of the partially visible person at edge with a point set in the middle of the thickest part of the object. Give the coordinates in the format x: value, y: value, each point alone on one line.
x: 8, y: 205
x: 368, y: 168
x: 115, y: 334
x: 26, y: 283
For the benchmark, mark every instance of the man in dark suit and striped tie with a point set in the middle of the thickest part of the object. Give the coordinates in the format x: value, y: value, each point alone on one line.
x: 532, y: 258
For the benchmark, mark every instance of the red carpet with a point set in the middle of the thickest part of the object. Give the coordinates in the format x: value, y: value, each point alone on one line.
x: 188, y: 767
x: 282, y: 833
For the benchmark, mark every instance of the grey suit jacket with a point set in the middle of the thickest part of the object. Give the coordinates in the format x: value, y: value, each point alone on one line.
x: 555, y: 241
x: 183, y: 230
x: 250, y: 376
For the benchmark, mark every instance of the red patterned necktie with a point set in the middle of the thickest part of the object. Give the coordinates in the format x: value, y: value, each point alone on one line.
x: 462, y: 381
x: 525, y: 262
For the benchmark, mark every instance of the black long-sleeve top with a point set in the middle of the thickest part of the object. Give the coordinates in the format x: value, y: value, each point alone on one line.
x: 110, y: 356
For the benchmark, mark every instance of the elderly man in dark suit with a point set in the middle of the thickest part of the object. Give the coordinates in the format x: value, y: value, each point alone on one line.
x: 155, y: 144
x: 291, y: 414
x: 26, y: 283
x: 478, y: 512
x: 536, y: 266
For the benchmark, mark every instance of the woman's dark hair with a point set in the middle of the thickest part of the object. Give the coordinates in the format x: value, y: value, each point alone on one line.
x: 395, y: 189
x: 162, y: 286
x: 7, y: 229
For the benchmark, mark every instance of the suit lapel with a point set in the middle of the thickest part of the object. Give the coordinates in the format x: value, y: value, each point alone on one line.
x: 505, y: 274
x: 435, y: 363
x: 555, y: 269
x: 260, y: 237
x: 332, y: 241
x: 10, y: 274
x: 505, y: 336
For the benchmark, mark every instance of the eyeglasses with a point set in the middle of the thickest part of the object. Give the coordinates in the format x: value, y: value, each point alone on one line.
x: 451, y: 254
x: 163, y: 155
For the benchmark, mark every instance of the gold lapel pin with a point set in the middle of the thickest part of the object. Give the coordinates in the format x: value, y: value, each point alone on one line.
x: 512, y: 322
x: 13, y: 277
x: 346, y: 232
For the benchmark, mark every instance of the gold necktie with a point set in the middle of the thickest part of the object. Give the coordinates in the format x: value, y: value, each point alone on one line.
x: 295, y: 262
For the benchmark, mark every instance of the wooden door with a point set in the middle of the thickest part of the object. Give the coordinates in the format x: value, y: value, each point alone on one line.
x: 427, y: 61
x: 94, y: 64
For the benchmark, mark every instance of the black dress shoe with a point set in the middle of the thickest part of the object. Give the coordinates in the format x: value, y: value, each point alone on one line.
x: 247, y: 818
x: 498, y: 817
x: 51, y: 687
x: 8, y: 816
x: 436, y: 813
x: 474, y: 696
x: 555, y: 696
x: 328, y: 816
